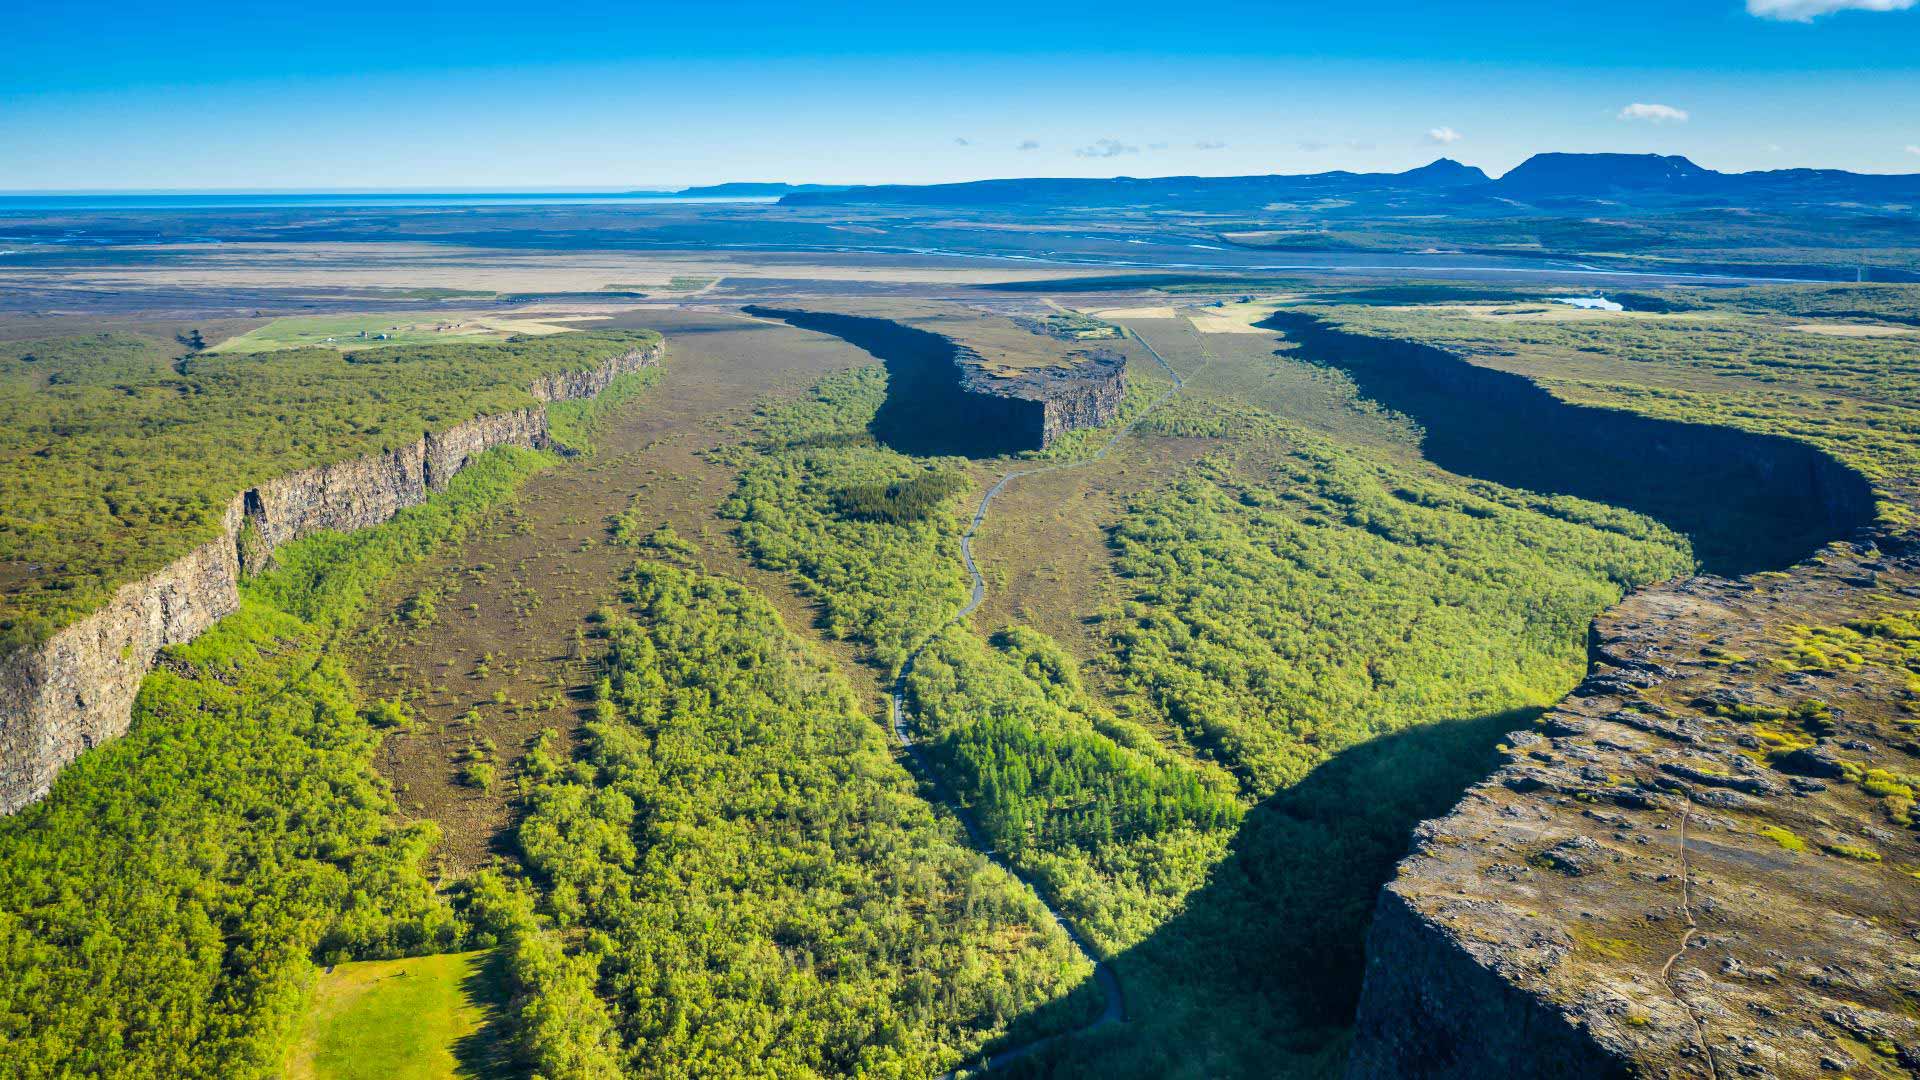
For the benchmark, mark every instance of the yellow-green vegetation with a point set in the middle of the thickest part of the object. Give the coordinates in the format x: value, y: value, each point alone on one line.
x: 1731, y: 359
x: 754, y: 884
x: 1610, y: 948
x: 1784, y: 837
x: 880, y: 582
x: 161, y: 910
x: 1218, y: 825
x: 677, y: 283
x: 1048, y: 773
x: 116, y: 460
x: 421, y: 1018
x: 1890, y: 641
x: 383, y: 330
x: 1858, y: 852
x: 1287, y: 607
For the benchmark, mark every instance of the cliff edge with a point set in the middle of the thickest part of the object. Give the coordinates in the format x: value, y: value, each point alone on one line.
x: 75, y: 690
x: 968, y: 383
x: 1702, y: 863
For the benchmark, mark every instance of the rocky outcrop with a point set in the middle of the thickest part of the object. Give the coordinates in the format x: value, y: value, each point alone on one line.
x: 351, y: 495
x: 946, y: 397
x: 76, y: 690
x: 1699, y: 864
x: 1436, y: 1005
x: 1088, y: 394
x: 574, y: 385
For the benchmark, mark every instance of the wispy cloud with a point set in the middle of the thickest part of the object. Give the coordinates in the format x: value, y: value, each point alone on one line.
x: 1913, y: 149
x: 1105, y: 148
x: 1659, y: 114
x: 1809, y: 10
x: 1029, y: 144
x: 1209, y: 144
x: 1315, y: 146
x: 1443, y: 136
x: 962, y: 142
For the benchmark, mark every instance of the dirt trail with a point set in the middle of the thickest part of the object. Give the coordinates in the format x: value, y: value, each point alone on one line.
x: 1115, y: 1009
x: 521, y: 589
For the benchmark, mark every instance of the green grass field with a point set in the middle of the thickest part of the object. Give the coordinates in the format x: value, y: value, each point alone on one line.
x: 423, y: 1018
x: 363, y: 331
x: 678, y: 283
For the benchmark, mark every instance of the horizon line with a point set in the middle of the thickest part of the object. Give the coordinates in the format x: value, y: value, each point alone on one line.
x: 613, y: 190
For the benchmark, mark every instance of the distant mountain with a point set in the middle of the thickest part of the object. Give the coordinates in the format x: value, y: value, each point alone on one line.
x: 1590, y: 174
x: 1444, y: 173
x: 1189, y: 191
x: 1617, y: 181
x: 751, y: 189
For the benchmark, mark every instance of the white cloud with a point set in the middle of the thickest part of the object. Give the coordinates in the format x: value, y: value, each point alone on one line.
x: 1809, y: 10
x: 1209, y: 144
x: 1659, y: 114
x: 1104, y: 148
x: 962, y: 142
x: 1029, y: 144
x: 1444, y: 136
x: 1913, y: 149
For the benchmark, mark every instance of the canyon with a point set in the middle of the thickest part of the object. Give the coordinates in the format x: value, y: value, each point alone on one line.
x: 66, y: 695
x: 951, y: 396
x: 1695, y: 864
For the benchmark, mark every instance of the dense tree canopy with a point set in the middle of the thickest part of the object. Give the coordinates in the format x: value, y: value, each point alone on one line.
x: 763, y: 891
x: 117, y: 459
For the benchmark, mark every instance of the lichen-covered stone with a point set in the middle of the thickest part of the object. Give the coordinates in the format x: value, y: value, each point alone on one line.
x: 1694, y: 910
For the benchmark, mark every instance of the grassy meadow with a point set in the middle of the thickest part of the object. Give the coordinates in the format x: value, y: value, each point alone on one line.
x: 420, y: 1018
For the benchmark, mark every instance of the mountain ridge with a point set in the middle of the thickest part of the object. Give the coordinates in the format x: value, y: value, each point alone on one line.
x: 1554, y: 176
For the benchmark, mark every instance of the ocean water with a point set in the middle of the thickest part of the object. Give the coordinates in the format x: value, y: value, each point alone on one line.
x: 294, y: 200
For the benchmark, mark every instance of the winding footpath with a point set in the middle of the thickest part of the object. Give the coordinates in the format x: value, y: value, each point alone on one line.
x: 1115, y: 1010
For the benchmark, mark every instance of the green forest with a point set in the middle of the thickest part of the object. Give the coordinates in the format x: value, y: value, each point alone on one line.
x: 119, y: 454
x: 162, y: 909
x: 755, y: 884
x: 1304, y: 646
x: 1288, y: 599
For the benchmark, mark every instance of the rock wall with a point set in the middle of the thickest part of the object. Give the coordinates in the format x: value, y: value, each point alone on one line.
x: 1749, y: 500
x: 76, y: 690
x: 1434, y: 1007
x: 943, y: 397
x: 1696, y: 865
x: 1088, y: 394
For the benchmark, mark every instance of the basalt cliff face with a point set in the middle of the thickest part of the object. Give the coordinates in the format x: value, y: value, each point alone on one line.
x: 944, y: 396
x: 1700, y: 864
x: 1089, y: 394
x: 1749, y: 501
x: 76, y: 690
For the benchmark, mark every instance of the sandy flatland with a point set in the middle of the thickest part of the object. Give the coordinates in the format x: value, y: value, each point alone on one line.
x: 416, y: 266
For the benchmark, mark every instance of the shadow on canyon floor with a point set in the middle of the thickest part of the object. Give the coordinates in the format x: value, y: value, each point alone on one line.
x: 1748, y: 501
x: 927, y: 413
x: 1259, y: 975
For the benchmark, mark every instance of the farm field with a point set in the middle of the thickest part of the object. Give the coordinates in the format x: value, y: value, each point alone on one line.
x: 377, y: 331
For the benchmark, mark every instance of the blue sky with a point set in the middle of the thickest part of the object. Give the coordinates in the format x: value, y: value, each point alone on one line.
x: 619, y: 95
